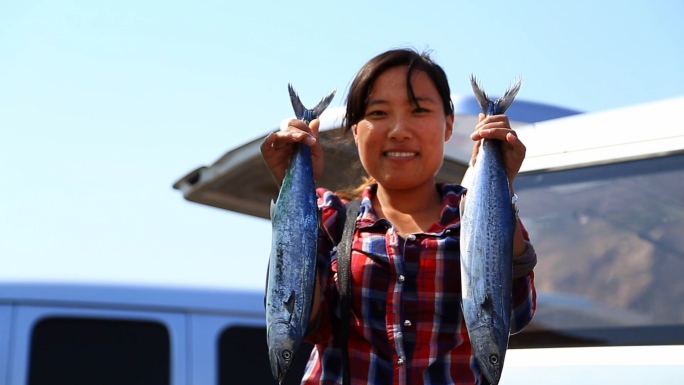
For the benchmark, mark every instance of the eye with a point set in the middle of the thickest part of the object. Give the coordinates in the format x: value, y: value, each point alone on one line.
x: 419, y: 110
x: 287, y: 355
x: 376, y: 113
x: 493, y: 359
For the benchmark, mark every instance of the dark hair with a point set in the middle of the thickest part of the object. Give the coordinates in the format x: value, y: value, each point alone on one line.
x: 359, y: 91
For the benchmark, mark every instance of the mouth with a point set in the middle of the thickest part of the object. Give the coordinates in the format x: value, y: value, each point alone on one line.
x: 400, y: 154
x: 275, y: 367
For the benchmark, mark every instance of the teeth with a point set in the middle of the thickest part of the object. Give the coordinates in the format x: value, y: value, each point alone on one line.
x: 400, y: 154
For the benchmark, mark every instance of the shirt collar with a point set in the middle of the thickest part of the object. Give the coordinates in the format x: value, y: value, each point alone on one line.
x: 450, y: 216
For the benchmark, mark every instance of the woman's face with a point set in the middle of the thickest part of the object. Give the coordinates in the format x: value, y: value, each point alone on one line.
x: 400, y: 144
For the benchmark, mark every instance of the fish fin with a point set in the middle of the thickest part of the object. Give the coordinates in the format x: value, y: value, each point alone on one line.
x: 487, y: 304
x: 319, y: 215
x: 482, y: 99
x: 505, y: 101
x: 272, y: 209
x: 290, y: 303
x: 302, y: 112
x: 461, y: 205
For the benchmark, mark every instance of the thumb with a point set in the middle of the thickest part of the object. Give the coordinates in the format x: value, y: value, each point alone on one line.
x: 315, y: 125
x: 480, y: 117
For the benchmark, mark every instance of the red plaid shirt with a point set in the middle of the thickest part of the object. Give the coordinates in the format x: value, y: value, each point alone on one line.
x: 406, y: 321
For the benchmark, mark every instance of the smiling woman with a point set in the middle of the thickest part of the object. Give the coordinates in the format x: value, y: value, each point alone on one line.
x: 434, y: 90
x: 401, y: 136
x: 406, y: 324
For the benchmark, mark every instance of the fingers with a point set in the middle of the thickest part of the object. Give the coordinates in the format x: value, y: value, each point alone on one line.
x: 296, y: 131
x: 276, y: 148
x: 492, y: 127
x: 312, y: 140
x: 476, y: 150
x: 268, y: 142
x: 499, y: 127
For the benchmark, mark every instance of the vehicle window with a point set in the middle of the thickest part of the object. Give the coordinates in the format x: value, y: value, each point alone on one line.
x: 610, y: 246
x: 99, y: 351
x: 243, y: 358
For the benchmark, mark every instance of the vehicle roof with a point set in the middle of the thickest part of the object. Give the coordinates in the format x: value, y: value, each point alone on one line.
x: 129, y: 296
x: 215, y: 185
x: 633, y: 132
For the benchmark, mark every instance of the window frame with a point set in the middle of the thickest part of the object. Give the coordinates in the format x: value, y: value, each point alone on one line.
x: 28, y: 316
x: 205, y: 331
x: 660, y: 334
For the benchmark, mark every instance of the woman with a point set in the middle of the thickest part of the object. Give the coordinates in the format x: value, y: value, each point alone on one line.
x: 406, y: 322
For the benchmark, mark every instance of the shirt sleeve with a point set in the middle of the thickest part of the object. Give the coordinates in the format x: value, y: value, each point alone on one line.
x: 329, y: 233
x: 524, y: 293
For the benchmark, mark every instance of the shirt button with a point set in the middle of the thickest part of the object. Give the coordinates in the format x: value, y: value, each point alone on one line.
x: 400, y: 361
x: 411, y: 237
x: 407, y: 323
x: 400, y: 278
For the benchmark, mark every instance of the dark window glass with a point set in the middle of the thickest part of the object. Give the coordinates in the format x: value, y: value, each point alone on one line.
x: 243, y: 358
x: 82, y: 351
x: 610, y: 243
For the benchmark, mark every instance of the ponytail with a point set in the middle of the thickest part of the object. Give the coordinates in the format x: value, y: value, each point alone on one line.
x: 355, y: 192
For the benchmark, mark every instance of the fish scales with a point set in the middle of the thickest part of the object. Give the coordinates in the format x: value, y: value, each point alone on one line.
x: 487, y: 226
x: 292, y: 263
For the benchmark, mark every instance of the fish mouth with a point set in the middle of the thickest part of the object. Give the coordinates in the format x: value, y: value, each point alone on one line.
x: 492, y: 377
x: 275, y: 366
x: 281, y: 360
x: 281, y: 348
x: 491, y: 366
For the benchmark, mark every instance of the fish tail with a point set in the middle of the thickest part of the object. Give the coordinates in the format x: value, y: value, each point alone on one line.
x: 302, y: 112
x: 505, y: 101
x: 499, y: 106
x: 482, y: 99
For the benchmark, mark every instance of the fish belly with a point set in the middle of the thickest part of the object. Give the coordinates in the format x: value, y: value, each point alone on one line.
x: 487, y: 225
x: 292, y: 265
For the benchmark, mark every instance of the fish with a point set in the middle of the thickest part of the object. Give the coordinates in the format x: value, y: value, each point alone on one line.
x: 487, y: 225
x: 292, y: 262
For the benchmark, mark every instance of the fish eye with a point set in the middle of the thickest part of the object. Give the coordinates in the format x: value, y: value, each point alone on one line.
x: 493, y: 359
x: 287, y: 354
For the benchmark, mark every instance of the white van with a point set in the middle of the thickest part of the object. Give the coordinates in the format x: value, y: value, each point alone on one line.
x: 601, y: 193
x: 82, y: 334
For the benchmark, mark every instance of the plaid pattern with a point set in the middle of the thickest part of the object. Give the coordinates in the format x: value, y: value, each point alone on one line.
x: 406, y: 321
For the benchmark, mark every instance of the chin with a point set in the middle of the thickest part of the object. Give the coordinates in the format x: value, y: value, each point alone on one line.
x: 403, y: 183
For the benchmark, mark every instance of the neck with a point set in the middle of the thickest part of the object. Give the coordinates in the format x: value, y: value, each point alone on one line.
x: 411, y: 210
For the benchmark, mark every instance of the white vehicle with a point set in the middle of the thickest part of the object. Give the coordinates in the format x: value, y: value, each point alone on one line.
x: 602, y: 195
x: 63, y: 334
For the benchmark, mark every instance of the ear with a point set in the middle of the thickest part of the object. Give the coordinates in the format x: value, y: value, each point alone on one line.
x: 449, y: 127
x: 356, y: 138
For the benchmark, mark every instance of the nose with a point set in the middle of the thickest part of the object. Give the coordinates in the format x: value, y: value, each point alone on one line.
x: 400, y: 129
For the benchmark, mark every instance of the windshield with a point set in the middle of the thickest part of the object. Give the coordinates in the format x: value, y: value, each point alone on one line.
x: 610, y: 243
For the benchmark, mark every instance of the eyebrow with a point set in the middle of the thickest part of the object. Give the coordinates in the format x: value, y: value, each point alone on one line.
x: 419, y: 99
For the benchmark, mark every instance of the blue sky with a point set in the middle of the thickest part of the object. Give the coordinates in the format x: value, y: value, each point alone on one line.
x: 103, y: 105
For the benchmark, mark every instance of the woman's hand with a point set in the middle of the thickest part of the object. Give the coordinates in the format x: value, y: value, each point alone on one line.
x: 512, y: 149
x: 276, y: 149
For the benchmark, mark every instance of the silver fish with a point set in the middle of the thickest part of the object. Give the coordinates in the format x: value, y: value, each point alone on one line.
x: 292, y: 263
x: 487, y: 225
